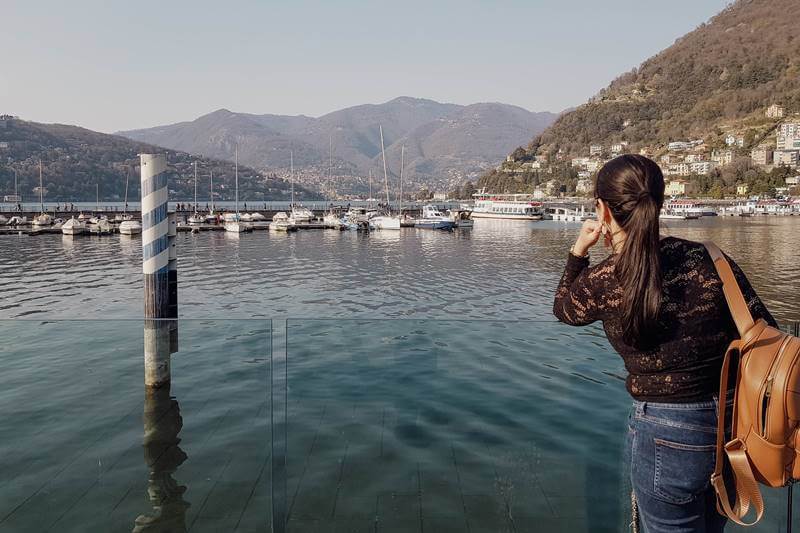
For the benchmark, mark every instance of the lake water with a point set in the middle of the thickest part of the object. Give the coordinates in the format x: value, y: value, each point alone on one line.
x: 403, y: 381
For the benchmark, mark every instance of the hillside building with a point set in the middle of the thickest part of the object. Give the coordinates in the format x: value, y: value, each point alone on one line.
x: 679, y: 188
x: 793, y: 181
x: 722, y: 157
x: 742, y: 189
x: 761, y: 155
x: 734, y: 140
x: 787, y: 143
x: 618, y: 148
x: 595, y: 149
x: 775, y: 111
x: 785, y: 158
x: 701, y: 167
x: 584, y: 186
x: 679, y: 146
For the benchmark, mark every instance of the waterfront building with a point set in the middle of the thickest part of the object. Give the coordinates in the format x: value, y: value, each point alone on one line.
x: 761, y: 155
x: 785, y: 158
x: 775, y: 111
x: 439, y: 197
x: 679, y: 188
x: 793, y: 181
x: 580, y: 162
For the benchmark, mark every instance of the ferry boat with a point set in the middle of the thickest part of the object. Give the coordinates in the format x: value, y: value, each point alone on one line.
x: 689, y: 207
x: 509, y: 206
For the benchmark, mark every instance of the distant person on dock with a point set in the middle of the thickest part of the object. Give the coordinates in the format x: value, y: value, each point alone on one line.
x: 663, y: 310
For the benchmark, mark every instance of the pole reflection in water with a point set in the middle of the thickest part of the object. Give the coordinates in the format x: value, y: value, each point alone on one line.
x: 162, y: 425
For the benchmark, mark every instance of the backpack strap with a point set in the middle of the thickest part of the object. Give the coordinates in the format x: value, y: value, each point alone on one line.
x: 747, y: 490
x: 730, y: 287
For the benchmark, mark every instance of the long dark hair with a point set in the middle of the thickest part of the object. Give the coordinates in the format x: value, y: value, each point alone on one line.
x: 632, y: 186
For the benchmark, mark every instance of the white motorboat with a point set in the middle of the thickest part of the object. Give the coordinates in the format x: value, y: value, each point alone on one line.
x: 43, y: 220
x: 3, y: 220
x: 97, y: 219
x: 669, y: 214
x: 83, y: 218
x: 246, y: 217
x: 73, y: 226
x: 121, y: 217
x: 195, y: 219
x: 432, y: 218
x: 17, y: 221
x: 130, y: 227
x: 301, y: 214
x: 462, y: 219
x: 386, y: 222
x: 567, y: 214
x: 257, y: 217
x: 332, y: 220
x: 101, y: 227
x: 281, y: 222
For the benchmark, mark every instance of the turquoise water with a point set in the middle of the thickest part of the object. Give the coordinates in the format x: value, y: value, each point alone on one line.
x: 426, y: 389
x: 315, y: 425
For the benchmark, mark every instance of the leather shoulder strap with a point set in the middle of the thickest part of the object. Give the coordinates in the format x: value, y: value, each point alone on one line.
x: 733, y: 294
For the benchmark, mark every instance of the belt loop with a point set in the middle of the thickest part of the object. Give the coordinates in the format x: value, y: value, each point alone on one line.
x: 640, y: 408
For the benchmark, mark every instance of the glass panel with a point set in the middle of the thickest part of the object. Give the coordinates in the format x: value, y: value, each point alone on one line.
x: 87, y: 448
x: 411, y: 425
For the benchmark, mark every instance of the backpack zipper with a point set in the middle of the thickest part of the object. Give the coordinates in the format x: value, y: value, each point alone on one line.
x: 765, y: 397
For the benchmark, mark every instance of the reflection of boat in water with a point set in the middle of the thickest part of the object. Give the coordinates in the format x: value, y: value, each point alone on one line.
x: 432, y: 218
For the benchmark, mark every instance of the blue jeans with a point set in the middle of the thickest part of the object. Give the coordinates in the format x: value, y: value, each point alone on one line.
x: 672, y: 452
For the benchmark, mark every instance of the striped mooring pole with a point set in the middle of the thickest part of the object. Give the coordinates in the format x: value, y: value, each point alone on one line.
x: 159, y: 266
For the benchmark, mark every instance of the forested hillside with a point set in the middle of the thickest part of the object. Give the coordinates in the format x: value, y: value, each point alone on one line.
x: 76, y: 162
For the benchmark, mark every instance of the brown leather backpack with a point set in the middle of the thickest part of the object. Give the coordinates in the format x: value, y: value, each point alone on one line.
x: 765, y: 443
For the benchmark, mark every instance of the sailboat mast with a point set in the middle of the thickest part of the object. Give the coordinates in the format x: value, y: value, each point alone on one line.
x: 291, y: 159
x: 16, y: 194
x: 385, y: 175
x: 127, y: 178
x: 97, y: 196
x: 402, y: 166
x: 369, y: 203
x: 330, y: 164
x: 211, y: 191
x: 195, y: 187
x: 41, y: 191
x: 236, y: 173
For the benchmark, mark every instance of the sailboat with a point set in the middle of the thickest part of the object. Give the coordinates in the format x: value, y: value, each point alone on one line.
x: 97, y: 219
x: 297, y: 213
x: 124, y: 215
x: 234, y: 224
x: 128, y: 226
x: 211, y: 218
x: 196, y: 218
x: 331, y: 219
x: 73, y: 226
x: 42, y: 219
x: 386, y: 221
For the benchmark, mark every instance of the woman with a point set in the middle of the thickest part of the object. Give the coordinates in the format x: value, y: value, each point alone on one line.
x: 663, y: 310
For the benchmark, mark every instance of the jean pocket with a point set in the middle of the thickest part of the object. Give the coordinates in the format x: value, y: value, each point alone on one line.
x: 682, y: 471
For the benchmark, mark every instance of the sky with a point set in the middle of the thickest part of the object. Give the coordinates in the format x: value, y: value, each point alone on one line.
x: 111, y: 65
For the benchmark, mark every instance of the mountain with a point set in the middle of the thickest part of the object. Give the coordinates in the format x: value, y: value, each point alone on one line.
x: 76, y: 161
x: 445, y: 143
x: 717, y: 80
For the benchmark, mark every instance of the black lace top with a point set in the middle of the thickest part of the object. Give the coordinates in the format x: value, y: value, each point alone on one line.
x: 694, y: 329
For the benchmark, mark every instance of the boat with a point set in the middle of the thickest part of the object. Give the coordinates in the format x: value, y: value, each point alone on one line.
x: 461, y: 218
x: 73, y: 226
x: 235, y: 224
x: 432, y: 218
x: 130, y: 227
x: 43, y: 219
x: 122, y: 217
x: 97, y: 219
x: 669, y: 214
x: 690, y: 207
x: 247, y: 217
x: 196, y: 218
x: 17, y: 221
x: 297, y: 213
x: 567, y: 214
x: 83, y: 218
x: 3, y: 220
x: 387, y: 220
x: 332, y: 220
x: 257, y: 217
x: 101, y: 227
x: 281, y: 222
x: 506, y: 206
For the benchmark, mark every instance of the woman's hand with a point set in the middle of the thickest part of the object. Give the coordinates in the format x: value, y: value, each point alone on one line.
x: 588, y: 237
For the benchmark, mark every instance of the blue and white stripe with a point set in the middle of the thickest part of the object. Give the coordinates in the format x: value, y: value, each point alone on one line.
x: 155, y: 223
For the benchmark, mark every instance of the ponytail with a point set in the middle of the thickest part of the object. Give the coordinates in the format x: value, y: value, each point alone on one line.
x: 633, y: 188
